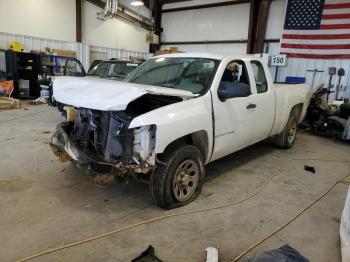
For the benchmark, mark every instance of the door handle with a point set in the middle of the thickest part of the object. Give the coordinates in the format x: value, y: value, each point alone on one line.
x: 250, y: 106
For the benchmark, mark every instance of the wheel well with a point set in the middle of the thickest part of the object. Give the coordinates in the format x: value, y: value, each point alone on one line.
x: 297, y: 110
x: 198, y: 139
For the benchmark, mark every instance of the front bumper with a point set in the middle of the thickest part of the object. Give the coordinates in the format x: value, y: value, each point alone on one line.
x: 66, y: 150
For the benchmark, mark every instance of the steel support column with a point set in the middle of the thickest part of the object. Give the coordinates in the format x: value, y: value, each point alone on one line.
x: 259, y: 10
x: 78, y: 20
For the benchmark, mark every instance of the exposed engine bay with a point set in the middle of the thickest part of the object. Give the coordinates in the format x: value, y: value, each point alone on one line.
x: 102, y: 142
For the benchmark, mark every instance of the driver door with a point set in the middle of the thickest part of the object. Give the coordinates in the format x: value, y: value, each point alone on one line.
x: 234, y: 117
x: 73, y: 67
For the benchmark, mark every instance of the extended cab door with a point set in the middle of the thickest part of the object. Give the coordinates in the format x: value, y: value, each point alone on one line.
x: 242, y: 121
x: 263, y: 99
x: 233, y: 119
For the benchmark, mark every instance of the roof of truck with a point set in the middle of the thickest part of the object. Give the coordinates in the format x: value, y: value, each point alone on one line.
x: 209, y: 55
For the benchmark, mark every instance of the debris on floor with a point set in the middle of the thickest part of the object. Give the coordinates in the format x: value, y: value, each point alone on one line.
x: 285, y: 253
x: 39, y: 101
x: 345, y: 230
x: 147, y: 256
x: 212, y: 254
x: 310, y: 169
x: 331, y: 120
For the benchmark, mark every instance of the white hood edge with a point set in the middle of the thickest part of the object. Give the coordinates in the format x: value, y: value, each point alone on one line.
x: 105, y: 95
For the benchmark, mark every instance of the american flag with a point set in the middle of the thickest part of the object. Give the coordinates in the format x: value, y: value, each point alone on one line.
x: 317, y: 29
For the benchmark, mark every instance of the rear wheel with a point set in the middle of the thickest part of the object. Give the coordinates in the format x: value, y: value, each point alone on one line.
x: 287, y: 138
x: 178, y: 179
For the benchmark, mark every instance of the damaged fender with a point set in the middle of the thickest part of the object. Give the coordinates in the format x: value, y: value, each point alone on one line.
x: 176, y: 120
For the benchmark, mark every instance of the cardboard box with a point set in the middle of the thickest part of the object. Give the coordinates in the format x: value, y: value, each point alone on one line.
x: 66, y: 53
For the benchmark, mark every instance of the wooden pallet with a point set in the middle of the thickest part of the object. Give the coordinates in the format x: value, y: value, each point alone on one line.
x: 7, y: 103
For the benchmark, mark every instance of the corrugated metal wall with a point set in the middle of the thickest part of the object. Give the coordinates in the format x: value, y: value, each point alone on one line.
x: 83, y: 50
x: 299, y: 67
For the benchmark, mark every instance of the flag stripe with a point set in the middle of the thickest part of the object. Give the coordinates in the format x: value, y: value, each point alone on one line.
x: 335, y: 1
x: 317, y: 32
x: 301, y: 46
x: 335, y: 21
x: 335, y: 16
x: 319, y: 37
x: 337, y: 26
x: 317, y: 51
x: 336, y: 6
x: 316, y: 42
x: 342, y: 56
x: 336, y: 11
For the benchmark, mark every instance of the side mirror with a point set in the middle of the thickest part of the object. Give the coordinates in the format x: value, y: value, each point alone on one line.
x: 233, y: 89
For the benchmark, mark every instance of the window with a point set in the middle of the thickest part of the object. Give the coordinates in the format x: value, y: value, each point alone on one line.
x: 260, y: 77
x: 121, y: 69
x: 73, y: 68
x: 236, y: 72
x: 185, y: 73
x: 100, y: 69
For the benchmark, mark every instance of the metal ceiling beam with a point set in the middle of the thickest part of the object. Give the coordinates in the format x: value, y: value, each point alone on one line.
x: 185, y: 8
x: 123, y: 15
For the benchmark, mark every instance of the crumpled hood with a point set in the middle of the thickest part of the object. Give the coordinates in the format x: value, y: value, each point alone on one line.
x: 105, y: 95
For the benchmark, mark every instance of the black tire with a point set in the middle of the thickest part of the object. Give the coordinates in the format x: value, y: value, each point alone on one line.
x: 286, y: 139
x: 162, y: 182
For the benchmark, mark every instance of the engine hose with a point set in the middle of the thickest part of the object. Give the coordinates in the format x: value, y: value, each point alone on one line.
x: 80, y: 242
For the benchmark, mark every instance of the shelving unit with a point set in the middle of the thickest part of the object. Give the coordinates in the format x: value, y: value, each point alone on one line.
x: 55, y: 64
x: 28, y: 66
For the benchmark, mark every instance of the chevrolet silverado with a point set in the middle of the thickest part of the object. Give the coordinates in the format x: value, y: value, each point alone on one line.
x: 173, y: 115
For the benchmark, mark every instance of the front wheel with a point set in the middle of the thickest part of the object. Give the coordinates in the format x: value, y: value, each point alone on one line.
x: 178, y: 178
x: 287, y: 138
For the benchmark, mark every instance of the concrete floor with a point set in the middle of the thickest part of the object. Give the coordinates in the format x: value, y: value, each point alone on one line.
x: 44, y: 203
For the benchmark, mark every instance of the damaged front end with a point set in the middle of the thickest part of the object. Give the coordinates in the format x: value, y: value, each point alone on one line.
x: 101, y: 143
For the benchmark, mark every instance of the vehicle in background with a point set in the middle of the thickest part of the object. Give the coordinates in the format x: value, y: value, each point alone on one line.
x: 173, y: 115
x: 113, y: 69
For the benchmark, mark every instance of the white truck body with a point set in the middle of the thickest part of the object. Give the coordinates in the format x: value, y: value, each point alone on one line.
x: 132, y: 128
x: 228, y: 126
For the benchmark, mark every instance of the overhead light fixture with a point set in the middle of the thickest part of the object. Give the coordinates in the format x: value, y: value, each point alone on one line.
x: 137, y: 3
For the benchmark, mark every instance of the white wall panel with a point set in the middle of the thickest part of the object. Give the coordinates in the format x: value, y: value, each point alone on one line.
x: 213, y: 48
x: 113, y: 33
x: 54, y: 19
x: 299, y: 67
x: 275, y: 20
x: 219, y: 23
x: 118, y: 53
x: 35, y: 43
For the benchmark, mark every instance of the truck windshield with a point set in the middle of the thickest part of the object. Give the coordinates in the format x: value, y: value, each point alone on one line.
x: 190, y: 74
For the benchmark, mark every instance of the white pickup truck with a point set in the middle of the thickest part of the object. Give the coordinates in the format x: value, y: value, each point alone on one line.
x: 173, y: 115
